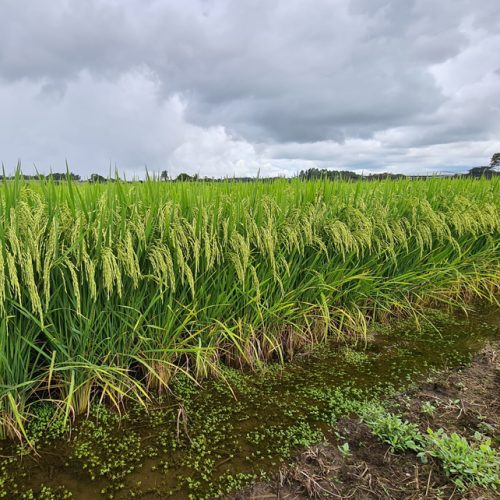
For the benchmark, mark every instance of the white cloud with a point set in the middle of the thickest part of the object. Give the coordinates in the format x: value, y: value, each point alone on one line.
x: 218, y: 87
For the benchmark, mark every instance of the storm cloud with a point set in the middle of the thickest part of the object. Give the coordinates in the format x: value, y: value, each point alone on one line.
x: 234, y: 87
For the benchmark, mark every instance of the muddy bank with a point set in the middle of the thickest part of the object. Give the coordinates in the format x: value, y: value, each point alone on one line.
x: 465, y: 400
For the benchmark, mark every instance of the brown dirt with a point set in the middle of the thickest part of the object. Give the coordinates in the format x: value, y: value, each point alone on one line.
x: 466, y: 400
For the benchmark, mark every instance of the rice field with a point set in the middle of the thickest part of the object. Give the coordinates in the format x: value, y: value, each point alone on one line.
x: 108, y: 291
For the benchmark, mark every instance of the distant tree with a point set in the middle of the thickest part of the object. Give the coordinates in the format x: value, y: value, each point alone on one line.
x: 495, y: 160
x: 186, y: 177
x: 324, y: 173
x: 384, y: 175
x: 487, y: 171
x: 62, y: 177
x: 97, y: 178
x: 164, y: 175
x: 183, y: 177
x: 484, y: 171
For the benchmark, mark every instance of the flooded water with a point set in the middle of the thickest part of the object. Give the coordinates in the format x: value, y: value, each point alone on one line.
x: 210, y: 441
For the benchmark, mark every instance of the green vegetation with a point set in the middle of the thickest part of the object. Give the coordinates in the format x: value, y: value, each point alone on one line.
x: 286, y: 438
x: 356, y: 358
x: 45, y: 425
x: 344, y: 450
x: 110, y: 291
x: 47, y: 493
x: 466, y: 464
x: 428, y: 408
x: 205, y: 442
x: 400, y: 434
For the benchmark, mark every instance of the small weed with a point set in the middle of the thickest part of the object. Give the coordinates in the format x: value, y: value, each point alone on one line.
x: 428, y: 408
x: 335, y: 402
x: 465, y: 463
x: 400, y: 434
x: 345, y: 451
x: 486, y: 428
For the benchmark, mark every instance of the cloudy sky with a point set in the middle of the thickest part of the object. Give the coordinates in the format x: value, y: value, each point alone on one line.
x: 231, y: 87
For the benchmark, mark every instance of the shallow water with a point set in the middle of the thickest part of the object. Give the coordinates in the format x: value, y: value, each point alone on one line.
x: 214, y: 440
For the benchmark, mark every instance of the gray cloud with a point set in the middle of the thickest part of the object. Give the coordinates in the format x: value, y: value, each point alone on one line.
x: 231, y: 87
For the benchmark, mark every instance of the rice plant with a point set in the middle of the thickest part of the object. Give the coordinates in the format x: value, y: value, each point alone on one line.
x: 107, y: 291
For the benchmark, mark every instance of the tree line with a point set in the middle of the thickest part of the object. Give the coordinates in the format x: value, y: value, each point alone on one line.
x: 488, y: 171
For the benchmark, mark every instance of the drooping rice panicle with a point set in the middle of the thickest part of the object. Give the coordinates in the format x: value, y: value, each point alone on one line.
x: 108, y: 290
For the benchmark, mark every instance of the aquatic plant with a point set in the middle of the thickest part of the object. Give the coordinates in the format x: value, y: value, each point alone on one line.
x: 109, y: 291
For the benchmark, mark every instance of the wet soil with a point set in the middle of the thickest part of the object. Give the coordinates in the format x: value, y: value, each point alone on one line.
x: 466, y: 400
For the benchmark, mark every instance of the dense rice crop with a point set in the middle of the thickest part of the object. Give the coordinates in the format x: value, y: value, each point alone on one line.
x: 108, y: 290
